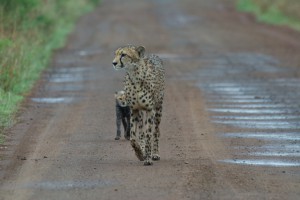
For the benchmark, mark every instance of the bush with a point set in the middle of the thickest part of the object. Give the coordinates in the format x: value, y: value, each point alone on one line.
x: 29, y: 31
x: 284, y: 12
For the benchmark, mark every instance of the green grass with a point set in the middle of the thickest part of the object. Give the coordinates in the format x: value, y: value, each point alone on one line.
x: 29, y: 32
x: 277, y: 12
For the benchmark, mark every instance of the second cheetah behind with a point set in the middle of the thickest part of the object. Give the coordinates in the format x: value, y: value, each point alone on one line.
x: 122, y: 115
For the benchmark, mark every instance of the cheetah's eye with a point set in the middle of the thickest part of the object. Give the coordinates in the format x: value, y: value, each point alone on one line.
x: 123, y: 54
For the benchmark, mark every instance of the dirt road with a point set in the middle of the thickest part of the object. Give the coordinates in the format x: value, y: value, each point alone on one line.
x: 230, y: 127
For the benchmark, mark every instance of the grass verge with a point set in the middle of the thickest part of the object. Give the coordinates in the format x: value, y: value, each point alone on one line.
x: 277, y: 12
x: 29, y: 32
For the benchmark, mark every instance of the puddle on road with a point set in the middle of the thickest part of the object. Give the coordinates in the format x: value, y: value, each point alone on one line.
x: 228, y: 85
x: 274, y: 150
x: 170, y: 56
x: 89, y: 52
x: 258, y: 162
x: 65, y: 78
x: 254, y: 62
x: 293, y: 136
x: 232, y: 90
x: 71, y: 70
x: 261, y: 124
x: 287, y: 82
x: 245, y: 101
x: 282, y: 146
x: 274, y: 154
x: 69, y: 74
x: 250, y: 111
x: 257, y: 117
x: 266, y: 109
x: 238, y: 96
x: 53, y: 100
x: 264, y: 105
x: 66, y: 185
x: 65, y: 87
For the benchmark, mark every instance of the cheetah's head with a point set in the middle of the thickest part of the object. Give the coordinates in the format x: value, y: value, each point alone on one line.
x: 127, y: 57
x: 120, y: 96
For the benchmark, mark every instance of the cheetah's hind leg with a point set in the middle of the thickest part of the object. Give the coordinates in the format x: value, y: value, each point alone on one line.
x: 156, y: 135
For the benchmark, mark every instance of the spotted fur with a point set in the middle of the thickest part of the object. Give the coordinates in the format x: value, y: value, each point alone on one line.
x: 144, y: 87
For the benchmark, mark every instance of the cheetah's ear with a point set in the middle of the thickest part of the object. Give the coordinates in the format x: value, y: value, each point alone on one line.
x: 141, y: 51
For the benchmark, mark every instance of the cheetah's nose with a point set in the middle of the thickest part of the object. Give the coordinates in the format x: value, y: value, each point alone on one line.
x: 114, y: 63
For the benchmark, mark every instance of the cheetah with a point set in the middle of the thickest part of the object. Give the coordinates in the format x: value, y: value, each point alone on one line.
x: 122, y: 114
x: 144, y: 85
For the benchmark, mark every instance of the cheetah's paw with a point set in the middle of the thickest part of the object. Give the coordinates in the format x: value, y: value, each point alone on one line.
x: 137, y: 149
x: 148, y: 163
x: 155, y: 157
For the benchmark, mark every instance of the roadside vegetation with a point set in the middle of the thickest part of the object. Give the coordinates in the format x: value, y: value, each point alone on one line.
x: 29, y: 32
x: 278, y: 12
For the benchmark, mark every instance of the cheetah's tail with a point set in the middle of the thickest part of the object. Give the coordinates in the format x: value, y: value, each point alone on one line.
x: 137, y: 149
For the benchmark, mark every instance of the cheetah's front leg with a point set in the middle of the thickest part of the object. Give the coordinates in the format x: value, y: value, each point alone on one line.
x: 134, y: 120
x: 127, y: 131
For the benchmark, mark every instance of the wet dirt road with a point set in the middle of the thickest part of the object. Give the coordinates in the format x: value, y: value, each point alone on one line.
x: 231, y: 121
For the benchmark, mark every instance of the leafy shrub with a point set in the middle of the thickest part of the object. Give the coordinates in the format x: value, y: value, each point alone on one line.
x: 273, y: 11
x: 29, y: 31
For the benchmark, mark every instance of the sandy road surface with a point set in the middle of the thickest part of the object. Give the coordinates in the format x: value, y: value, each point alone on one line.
x: 230, y: 127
